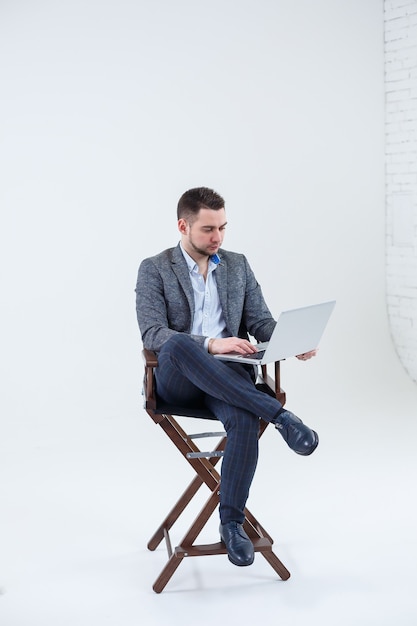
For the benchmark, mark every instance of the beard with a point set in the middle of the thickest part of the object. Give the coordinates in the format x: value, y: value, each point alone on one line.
x: 207, y: 251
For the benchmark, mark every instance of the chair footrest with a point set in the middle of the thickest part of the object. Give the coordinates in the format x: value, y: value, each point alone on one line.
x: 221, y: 433
x: 204, y: 455
x: 260, y: 545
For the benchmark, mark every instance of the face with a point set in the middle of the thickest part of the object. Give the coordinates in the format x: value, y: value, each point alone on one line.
x: 204, y: 236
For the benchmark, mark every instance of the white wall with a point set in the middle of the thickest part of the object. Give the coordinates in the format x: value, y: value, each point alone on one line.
x: 401, y: 176
x: 111, y: 110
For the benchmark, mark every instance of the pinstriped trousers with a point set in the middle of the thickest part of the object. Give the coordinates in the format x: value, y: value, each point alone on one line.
x: 187, y: 376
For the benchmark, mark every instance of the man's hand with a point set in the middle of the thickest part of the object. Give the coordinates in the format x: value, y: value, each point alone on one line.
x: 231, y: 344
x: 306, y: 355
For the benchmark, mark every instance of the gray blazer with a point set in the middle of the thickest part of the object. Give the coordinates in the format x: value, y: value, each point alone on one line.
x: 165, y: 298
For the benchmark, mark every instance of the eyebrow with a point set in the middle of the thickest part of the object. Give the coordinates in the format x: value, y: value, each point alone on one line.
x: 211, y: 225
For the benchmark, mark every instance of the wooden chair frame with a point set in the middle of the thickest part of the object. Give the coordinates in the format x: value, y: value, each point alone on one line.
x: 204, y: 465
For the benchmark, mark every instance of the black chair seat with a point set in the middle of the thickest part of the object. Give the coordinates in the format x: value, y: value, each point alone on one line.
x: 168, y: 409
x: 162, y: 408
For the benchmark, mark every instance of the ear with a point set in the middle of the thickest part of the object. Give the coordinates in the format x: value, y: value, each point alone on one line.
x: 182, y: 226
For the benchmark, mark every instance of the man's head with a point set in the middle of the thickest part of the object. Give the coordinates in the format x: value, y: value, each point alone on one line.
x: 195, y: 199
x: 201, y: 221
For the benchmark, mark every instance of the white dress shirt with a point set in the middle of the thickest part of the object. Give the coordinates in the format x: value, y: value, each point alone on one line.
x: 208, y: 315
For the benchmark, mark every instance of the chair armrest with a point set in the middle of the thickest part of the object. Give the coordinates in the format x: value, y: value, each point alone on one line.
x: 150, y: 358
x: 151, y: 362
x: 274, y: 383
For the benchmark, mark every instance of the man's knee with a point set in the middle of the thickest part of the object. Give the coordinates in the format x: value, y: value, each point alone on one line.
x: 240, y: 421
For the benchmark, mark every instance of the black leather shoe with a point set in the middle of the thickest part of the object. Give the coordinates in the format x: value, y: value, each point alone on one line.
x: 239, y: 546
x: 298, y: 436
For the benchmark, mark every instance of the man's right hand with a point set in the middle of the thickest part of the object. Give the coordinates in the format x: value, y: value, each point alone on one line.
x: 231, y: 344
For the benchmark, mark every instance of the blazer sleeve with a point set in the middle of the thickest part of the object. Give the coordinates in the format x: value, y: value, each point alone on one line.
x: 257, y: 317
x: 162, y: 310
x: 150, y: 307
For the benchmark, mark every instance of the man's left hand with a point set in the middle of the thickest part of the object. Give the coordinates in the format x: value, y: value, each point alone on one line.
x: 306, y: 355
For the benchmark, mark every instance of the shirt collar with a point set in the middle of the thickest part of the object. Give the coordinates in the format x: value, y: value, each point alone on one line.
x: 192, y: 265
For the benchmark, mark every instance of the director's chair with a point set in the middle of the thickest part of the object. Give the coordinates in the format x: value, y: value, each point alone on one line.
x: 204, y: 465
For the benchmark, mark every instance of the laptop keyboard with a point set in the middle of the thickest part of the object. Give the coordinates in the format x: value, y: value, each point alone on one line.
x: 255, y: 355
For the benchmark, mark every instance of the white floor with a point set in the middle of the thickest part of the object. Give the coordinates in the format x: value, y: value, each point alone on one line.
x: 81, y: 496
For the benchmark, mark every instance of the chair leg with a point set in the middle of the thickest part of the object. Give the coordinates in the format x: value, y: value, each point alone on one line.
x: 253, y: 528
x: 175, y: 512
x: 256, y: 531
x: 206, y: 474
x: 166, y: 574
x: 276, y: 564
x: 186, y: 548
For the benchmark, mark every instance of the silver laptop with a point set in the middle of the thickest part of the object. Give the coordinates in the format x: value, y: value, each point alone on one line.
x: 297, y: 331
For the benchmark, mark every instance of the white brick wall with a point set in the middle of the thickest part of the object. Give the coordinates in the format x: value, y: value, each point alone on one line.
x: 400, y: 18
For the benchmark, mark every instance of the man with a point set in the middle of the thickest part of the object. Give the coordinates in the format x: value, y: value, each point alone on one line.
x: 197, y: 300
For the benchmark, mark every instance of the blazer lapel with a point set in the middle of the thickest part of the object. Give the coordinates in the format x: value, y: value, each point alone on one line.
x: 221, y: 281
x: 180, y: 269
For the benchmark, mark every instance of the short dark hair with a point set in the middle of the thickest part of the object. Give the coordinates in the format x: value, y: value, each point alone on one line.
x: 198, y: 198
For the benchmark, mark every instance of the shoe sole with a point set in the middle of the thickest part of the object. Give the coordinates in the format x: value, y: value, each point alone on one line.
x: 241, y: 564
